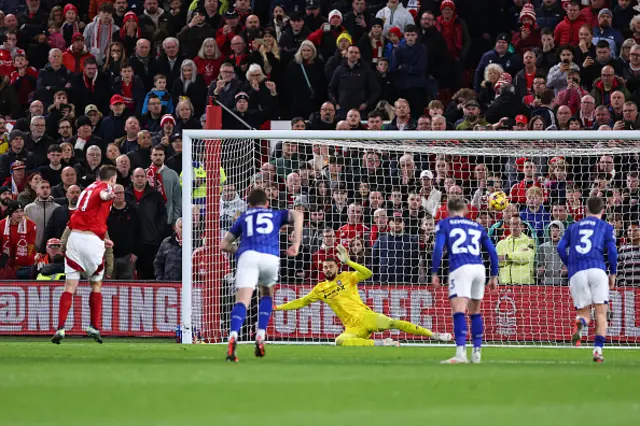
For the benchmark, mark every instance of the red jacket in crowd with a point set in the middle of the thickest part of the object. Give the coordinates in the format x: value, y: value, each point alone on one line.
x: 566, y: 32
x: 74, y: 62
x: 443, y: 212
x: 348, y: 232
x: 518, y: 192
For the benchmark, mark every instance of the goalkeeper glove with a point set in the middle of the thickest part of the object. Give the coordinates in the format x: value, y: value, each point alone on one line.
x: 342, y: 254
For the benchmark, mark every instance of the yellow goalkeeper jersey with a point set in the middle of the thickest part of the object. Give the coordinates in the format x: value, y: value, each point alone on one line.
x: 341, y: 294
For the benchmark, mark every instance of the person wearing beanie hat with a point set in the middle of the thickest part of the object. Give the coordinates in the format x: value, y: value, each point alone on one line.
x: 509, y: 61
x: 448, y: 3
x: 358, y: 21
x: 344, y: 36
x: 395, y: 15
x: 605, y: 31
x: 70, y: 25
x: 529, y: 35
x: 325, y: 39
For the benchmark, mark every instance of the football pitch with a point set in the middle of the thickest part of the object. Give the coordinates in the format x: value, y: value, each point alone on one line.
x: 139, y: 383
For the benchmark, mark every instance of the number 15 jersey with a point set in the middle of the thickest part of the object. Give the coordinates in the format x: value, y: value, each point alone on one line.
x: 587, y: 240
x: 259, y: 230
x: 463, y: 239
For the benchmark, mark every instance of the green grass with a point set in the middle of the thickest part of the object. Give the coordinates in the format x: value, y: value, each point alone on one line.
x: 136, y: 383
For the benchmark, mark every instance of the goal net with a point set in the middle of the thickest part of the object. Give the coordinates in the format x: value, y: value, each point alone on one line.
x: 381, y: 195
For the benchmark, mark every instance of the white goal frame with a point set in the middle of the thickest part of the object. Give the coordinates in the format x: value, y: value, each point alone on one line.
x: 358, y: 138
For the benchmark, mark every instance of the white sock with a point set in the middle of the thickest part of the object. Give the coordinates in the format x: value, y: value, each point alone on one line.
x: 233, y: 334
x: 461, y: 351
x: 261, y: 334
x: 598, y: 350
x: 476, y: 349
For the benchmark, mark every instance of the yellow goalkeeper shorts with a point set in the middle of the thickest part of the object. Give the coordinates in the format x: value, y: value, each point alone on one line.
x: 370, y: 323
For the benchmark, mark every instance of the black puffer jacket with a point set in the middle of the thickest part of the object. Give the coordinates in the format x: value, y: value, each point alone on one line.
x: 153, y: 215
x: 167, y: 265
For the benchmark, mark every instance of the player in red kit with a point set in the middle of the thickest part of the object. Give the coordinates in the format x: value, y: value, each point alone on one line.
x: 85, y: 250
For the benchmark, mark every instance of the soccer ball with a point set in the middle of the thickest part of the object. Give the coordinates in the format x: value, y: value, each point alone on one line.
x: 498, y: 201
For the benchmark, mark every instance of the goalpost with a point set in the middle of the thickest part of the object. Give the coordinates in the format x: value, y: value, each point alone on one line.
x: 533, y: 306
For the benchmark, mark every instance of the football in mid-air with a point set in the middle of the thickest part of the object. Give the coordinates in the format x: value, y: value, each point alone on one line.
x: 498, y: 201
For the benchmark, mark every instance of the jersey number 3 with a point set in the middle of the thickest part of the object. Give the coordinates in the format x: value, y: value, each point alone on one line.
x: 461, y: 237
x: 585, y: 242
x: 263, y: 225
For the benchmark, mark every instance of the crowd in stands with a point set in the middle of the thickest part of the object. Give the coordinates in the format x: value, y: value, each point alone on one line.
x: 87, y: 83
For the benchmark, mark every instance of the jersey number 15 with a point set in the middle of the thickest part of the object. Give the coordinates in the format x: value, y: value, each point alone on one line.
x: 263, y: 223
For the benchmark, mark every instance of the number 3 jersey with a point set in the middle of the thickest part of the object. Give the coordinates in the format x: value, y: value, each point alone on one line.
x: 586, y: 241
x: 259, y: 230
x: 463, y: 239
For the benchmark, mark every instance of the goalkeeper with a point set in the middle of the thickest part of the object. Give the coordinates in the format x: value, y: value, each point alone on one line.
x: 340, y: 292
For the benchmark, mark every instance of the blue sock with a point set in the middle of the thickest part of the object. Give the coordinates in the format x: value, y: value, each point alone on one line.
x: 460, y: 328
x: 264, y: 312
x: 599, y: 343
x: 583, y: 322
x: 477, y: 329
x: 238, y: 314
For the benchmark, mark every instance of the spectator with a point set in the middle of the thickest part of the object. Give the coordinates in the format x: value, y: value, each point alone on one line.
x: 141, y: 157
x: 293, y: 36
x: 534, y: 212
x: 312, y: 232
x: 325, y: 38
x: 75, y: 56
x: 52, y: 171
x: 85, y: 138
x: 59, y: 219
x: 629, y: 257
x: 228, y: 31
x: 528, y: 36
x: 354, y: 228
x: 550, y: 269
x: 371, y: 44
x: 455, y: 191
x: 410, y: 70
x: 549, y: 14
x: 124, y: 228
x: 586, y: 47
x: 402, y: 119
x: 18, y: 243
x: 525, y: 79
x: 17, y: 152
x: 492, y: 74
x: 608, y: 83
x: 396, y: 254
x: 161, y: 92
x: 44, y: 263
x: 516, y: 254
x: 592, y: 69
x: 52, y: 78
x: 431, y: 197
x: 143, y: 64
x: 24, y: 80
x: 87, y: 170
x: 225, y: 88
x: 506, y: 105
x: 37, y: 142
x: 500, y: 54
x: 40, y: 211
x: 99, y: 33
x: 353, y: 85
x: 572, y: 95
x: 190, y: 85
x: 566, y: 32
x: 591, y: 14
x: 195, y: 33
x: 395, y: 15
x: 91, y: 87
x: 605, y: 31
x: 471, y: 116
x: 209, y: 60
x: 153, y: 219
x: 131, y: 88
x: 154, y: 22
x: 529, y: 168
x: 557, y: 77
x: 167, y: 182
x: 129, y: 34
x: 167, y: 264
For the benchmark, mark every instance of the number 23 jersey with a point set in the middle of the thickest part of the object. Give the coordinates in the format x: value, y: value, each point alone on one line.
x: 464, y: 240
x: 259, y: 230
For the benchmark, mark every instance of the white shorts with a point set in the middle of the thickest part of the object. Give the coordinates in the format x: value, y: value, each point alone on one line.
x: 84, y: 256
x: 256, y: 268
x: 468, y: 281
x: 589, y: 287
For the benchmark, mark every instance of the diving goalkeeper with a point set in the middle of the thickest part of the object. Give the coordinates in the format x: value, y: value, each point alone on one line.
x: 340, y: 292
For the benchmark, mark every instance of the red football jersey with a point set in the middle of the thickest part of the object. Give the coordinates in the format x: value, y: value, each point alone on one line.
x: 92, y: 212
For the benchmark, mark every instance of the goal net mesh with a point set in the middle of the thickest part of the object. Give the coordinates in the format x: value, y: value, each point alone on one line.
x: 382, y: 199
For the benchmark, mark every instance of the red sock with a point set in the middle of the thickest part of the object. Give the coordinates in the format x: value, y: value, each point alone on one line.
x: 95, y: 307
x: 65, y: 304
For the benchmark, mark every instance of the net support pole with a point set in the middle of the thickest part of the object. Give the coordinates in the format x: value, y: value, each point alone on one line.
x: 187, y: 240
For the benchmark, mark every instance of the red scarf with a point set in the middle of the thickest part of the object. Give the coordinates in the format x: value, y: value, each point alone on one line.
x: 95, y: 43
x: 452, y: 34
x: 15, y: 242
x: 155, y: 180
